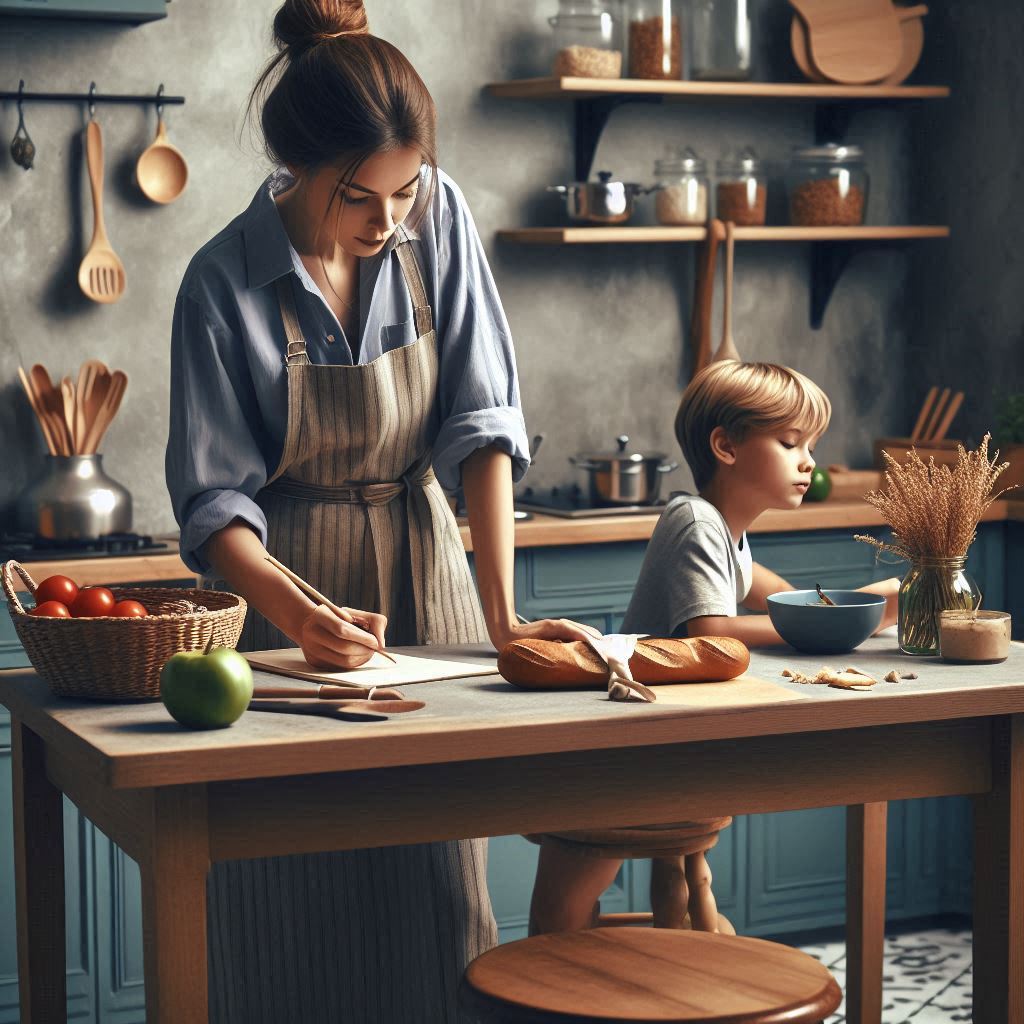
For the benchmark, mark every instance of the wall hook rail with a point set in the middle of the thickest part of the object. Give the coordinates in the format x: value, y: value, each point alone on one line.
x: 92, y: 97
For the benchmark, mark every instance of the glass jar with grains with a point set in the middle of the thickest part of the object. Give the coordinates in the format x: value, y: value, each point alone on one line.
x: 587, y: 40
x: 828, y: 186
x: 742, y: 190
x: 681, y: 182
x: 655, y: 40
x: 720, y: 40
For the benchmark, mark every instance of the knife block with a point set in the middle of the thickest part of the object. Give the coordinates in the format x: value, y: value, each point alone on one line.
x: 944, y: 452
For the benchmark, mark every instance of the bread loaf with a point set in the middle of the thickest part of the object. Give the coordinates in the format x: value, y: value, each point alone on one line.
x: 575, y: 665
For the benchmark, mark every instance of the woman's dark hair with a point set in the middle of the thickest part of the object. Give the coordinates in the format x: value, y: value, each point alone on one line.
x: 333, y: 91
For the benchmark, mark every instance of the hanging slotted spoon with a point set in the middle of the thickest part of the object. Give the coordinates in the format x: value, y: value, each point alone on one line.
x: 101, y: 274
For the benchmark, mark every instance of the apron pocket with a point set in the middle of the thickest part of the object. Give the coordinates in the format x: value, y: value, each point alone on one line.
x: 397, y: 335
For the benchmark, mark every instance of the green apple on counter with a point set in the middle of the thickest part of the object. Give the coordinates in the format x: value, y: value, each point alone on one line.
x: 821, y: 485
x: 206, y: 689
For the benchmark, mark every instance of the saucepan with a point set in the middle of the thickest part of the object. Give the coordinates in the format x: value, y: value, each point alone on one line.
x: 600, y: 202
x: 623, y: 477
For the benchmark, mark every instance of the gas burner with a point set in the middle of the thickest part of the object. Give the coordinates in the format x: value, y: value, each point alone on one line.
x: 573, y: 503
x: 24, y: 547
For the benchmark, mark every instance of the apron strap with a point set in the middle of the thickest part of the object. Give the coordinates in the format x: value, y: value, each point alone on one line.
x: 422, y: 313
x: 295, y: 353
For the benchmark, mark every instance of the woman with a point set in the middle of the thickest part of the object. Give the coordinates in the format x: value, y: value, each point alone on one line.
x: 335, y: 347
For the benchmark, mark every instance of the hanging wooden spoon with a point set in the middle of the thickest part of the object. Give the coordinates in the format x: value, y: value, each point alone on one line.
x: 703, y: 294
x: 161, y: 171
x: 101, y: 274
x: 727, y: 347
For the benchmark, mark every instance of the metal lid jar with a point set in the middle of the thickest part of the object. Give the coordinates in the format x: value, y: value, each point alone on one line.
x: 827, y: 185
x: 681, y: 184
x: 587, y: 40
x: 741, y: 194
x: 655, y: 39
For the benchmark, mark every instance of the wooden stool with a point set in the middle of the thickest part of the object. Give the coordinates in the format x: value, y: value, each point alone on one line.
x: 639, y: 974
x: 681, y: 895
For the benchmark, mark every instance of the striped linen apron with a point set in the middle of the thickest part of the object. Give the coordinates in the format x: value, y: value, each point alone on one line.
x: 375, y: 936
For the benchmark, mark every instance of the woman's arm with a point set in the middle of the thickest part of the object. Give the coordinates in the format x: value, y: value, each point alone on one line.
x: 487, y: 485
x: 327, y: 642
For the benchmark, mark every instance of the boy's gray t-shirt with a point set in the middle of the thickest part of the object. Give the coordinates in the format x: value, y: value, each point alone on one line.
x: 691, y: 568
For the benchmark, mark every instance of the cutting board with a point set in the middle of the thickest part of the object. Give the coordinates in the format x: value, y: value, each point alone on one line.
x: 378, y: 671
x: 852, y: 41
x: 743, y: 690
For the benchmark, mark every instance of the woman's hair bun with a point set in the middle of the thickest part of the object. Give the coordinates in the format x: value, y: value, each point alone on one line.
x: 300, y: 24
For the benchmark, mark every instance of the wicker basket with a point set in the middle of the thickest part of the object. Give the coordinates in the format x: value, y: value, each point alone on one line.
x: 111, y: 658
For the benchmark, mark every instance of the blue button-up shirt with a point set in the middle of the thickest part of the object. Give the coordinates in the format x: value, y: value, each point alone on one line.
x: 229, y: 389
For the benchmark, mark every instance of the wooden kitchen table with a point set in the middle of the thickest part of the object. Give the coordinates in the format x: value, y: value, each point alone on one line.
x: 486, y: 759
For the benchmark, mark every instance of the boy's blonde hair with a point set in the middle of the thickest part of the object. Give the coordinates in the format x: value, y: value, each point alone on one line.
x: 745, y: 397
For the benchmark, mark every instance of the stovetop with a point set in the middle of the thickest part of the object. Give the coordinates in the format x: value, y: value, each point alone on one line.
x: 25, y: 548
x: 573, y: 503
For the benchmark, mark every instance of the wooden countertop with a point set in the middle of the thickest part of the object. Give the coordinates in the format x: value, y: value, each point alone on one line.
x: 540, y: 531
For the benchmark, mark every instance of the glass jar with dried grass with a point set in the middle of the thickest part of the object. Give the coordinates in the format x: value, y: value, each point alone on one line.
x: 933, y: 512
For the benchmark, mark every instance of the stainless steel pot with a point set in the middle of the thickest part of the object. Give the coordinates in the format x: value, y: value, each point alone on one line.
x: 624, y: 477
x: 600, y: 202
x: 74, y: 500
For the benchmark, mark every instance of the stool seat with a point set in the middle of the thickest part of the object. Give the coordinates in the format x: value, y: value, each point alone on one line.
x: 644, y: 975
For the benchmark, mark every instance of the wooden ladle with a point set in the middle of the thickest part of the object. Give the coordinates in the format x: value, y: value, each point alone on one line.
x: 727, y: 347
x: 101, y: 274
x: 161, y: 171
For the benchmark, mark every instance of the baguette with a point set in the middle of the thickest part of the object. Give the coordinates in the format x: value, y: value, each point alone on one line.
x: 575, y: 665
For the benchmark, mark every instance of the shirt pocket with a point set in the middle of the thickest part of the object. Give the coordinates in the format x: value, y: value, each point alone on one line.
x: 397, y: 335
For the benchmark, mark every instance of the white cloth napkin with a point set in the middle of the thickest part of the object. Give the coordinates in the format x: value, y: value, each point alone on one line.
x: 615, y: 650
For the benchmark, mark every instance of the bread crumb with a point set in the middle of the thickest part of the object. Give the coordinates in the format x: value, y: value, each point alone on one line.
x: 892, y: 677
x: 910, y: 675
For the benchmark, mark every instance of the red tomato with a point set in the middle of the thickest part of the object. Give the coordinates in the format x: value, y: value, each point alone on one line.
x: 51, y: 610
x: 92, y: 602
x: 128, y: 610
x: 57, y: 588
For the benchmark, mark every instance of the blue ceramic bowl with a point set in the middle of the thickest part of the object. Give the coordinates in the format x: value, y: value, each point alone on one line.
x: 806, y: 624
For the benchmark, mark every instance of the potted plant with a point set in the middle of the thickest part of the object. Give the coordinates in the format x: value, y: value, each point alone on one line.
x: 1010, y: 437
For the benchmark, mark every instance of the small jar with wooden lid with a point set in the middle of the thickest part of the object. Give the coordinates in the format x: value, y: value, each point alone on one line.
x: 741, y: 193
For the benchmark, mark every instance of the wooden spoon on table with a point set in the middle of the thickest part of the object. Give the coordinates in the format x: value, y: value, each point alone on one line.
x: 727, y: 347
x: 101, y: 274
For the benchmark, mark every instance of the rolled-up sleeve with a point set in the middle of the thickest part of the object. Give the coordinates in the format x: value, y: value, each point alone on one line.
x: 214, y: 465
x: 478, y: 389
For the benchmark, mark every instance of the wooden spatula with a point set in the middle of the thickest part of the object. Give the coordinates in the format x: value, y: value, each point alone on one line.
x: 101, y: 274
x: 108, y: 410
x: 852, y: 42
x: 33, y: 398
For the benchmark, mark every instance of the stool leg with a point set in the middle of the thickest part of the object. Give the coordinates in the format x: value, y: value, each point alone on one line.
x: 669, y: 893
x: 703, y: 911
x: 567, y: 889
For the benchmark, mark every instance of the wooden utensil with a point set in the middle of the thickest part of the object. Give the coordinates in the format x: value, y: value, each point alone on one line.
x: 852, y: 42
x: 67, y: 391
x: 727, y: 347
x: 703, y: 295
x: 94, y: 383
x: 311, y: 591
x: 936, y: 414
x: 108, y: 410
x: 923, y: 415
x: 947, y: 417
x: 911, y: 31
x: 101, y: 274
x: 33, y: 399
x: 52, y: 403
x: 326, y: 691
x: 347, y: 710
x: 161, y: 171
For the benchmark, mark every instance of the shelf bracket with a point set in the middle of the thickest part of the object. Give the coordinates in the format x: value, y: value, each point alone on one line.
x: 591, y: 116
x: 828, y: 261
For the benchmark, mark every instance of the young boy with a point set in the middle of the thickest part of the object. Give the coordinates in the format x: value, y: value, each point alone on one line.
x: 748, y: 432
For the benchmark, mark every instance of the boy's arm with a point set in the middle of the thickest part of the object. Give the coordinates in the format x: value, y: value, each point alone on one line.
x: 763, y: 583
x: 753, y: 630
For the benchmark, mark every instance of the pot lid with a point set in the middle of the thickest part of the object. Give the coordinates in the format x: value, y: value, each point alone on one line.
x: 622, y: 455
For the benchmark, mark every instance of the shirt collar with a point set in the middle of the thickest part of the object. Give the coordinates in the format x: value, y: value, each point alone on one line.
x: 269, y: 254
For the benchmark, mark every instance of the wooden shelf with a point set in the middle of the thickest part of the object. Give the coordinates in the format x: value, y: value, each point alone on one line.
x: 585, y: 88
x: 633, y: 235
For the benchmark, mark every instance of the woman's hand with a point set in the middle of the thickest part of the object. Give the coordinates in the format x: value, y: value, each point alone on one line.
x: 544, y: 629
x: 332, y: 643
x: 890, y: 590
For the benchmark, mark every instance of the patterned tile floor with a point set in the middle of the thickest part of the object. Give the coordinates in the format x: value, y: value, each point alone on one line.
x: 927, y: 976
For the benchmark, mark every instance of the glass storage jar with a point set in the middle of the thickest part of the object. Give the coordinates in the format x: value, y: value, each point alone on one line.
x: 655, y: 40
x: 741, y: 193
x: 720, y: 40
x: 587, y: 40
x: 828, y: 186
x: 932, y: 586
x: 681, y: 185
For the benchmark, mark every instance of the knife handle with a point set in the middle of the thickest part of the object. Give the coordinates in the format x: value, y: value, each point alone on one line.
x: 326, y: 692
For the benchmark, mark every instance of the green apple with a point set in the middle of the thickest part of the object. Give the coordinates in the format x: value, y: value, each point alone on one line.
x: 821, y: 485
x: 206, y: 689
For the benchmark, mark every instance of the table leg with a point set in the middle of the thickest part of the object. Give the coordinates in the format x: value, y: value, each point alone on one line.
x: 174, y: 869
x: 999, y: 881
x: 865, y: 911
x: 39, y: 881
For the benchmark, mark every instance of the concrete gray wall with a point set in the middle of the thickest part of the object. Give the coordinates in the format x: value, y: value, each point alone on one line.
x: 600, y: 331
